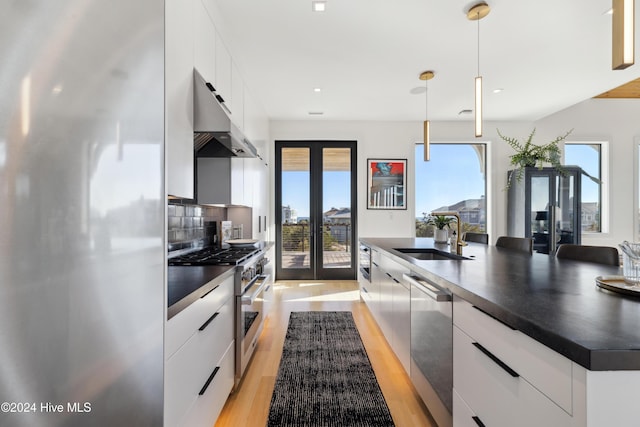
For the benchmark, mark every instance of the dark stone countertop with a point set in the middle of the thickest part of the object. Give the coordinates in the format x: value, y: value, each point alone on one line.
x: 554, y: 301
x: 185, y: 284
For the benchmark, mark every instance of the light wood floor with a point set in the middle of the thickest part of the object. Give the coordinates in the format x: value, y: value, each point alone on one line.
x: 249, y: 405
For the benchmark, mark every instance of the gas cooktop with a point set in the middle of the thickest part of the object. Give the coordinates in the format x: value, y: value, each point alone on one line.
x: 214, y: 256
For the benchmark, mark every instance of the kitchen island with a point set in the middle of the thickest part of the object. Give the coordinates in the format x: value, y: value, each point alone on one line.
x: 574, y: 344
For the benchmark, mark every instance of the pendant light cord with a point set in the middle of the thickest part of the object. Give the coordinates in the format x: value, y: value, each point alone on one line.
x: 426, y: 99
x: 478, y: 43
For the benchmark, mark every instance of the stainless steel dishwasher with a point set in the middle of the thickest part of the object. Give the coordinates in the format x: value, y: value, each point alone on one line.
x: 432, y: 346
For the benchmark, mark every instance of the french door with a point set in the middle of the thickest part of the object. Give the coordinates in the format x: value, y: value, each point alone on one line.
x: 316, y: 210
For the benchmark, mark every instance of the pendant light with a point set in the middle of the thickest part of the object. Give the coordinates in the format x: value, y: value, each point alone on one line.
x: 476, y: 13
x: 623, y: 24
x: 426, y: 76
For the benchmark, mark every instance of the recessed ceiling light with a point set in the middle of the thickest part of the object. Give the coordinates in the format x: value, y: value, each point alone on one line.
x: 498, y: 90
x: 316, y: 113
x: 318, y: 5
x: 317, y: 89
x: 57, y: 89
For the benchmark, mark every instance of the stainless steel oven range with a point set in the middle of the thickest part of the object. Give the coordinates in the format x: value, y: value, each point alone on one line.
x: 251, y: 283
x: 251, y: 286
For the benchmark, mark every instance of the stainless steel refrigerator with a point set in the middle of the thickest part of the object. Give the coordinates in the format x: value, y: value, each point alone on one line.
x: 82, y: 207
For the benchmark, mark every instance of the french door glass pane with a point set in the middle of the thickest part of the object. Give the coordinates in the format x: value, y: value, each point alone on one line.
x: 296, y: 199
x: 336, y: 208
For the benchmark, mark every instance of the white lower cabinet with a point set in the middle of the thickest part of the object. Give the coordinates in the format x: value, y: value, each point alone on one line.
x: 464, y: 415
x: 502, y: 378
x: 208, y: 405
x: 389, y: 300
x: 497, y: 395
x: 199, y: 374
x: 402, y: 324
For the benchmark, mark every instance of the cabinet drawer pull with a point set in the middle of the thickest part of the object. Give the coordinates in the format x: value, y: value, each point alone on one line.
x: 477, y: 420
x: 206, y: 385
x: 213, y: 289
x: 205, y: 324
x: 498, y: 362
x: 365, y: 290
x: 494, y: 318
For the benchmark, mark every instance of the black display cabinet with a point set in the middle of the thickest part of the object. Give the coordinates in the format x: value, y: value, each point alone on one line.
x: 545, y: 204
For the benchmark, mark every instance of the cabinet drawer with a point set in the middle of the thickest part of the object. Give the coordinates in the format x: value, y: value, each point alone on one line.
x: 186, y: 323
x: 546, y: 370
x: 489, y: 391
x: 395, y: 269
x: 207, y: 407
x: 188, y: 369
x: 364, y: 291
x: 463, y: 416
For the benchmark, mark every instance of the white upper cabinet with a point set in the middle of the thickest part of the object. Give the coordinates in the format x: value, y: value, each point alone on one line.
x: 179, y: 97
x: 237, y: 97
x: 204, y: 50
x: 223, y: 73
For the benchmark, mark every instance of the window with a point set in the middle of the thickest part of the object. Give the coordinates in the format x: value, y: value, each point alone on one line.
x: 589, y: 156
x: 453, y: 180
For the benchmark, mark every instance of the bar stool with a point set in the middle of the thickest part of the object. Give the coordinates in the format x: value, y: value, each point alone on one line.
x: 598, y: 254
x: 522, y: 244
x: 470, y: 236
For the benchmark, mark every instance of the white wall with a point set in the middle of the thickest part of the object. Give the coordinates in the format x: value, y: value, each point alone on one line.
x: 618, y: 122
x: 615, y: 121
x: 397, y: 140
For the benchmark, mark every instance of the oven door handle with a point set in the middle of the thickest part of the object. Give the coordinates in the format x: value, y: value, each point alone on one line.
x: 254, y: 291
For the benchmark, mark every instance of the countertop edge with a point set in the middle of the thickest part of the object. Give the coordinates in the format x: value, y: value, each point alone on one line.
x: 199, y: 292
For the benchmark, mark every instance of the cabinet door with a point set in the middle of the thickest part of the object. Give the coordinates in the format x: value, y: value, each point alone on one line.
x: 223, y: 72
x: 402, y: 324
x: 463, y: 415
x: 385, y: 304
x: 204, y: 50
x: 179, y: 97
x: 374, y: 287
x: 188, y: 369
x: 237, y: 97
x: 207, y: 407
x: 237, y: 181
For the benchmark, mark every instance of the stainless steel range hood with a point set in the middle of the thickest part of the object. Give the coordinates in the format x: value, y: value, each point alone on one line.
x: 213, y: 133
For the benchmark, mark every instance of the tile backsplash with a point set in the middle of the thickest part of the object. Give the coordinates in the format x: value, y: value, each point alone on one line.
x: 193, y: 225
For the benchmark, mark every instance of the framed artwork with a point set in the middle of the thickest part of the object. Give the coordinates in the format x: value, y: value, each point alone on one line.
x: 386, y: 183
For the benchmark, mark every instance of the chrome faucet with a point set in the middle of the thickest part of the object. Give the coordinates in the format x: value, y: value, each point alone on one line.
x: 459, y: 242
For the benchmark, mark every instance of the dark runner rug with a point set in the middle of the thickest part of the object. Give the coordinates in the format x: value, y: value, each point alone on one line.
x: 325, y: 377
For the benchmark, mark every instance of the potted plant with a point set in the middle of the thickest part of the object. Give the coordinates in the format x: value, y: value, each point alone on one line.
x: 529, y: 154
x: 440, y: 235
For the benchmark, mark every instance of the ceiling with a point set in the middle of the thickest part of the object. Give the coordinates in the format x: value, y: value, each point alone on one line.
x: 366, y: 56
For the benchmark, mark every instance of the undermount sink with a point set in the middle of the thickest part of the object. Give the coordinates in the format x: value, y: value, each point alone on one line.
x: 429, y: 254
